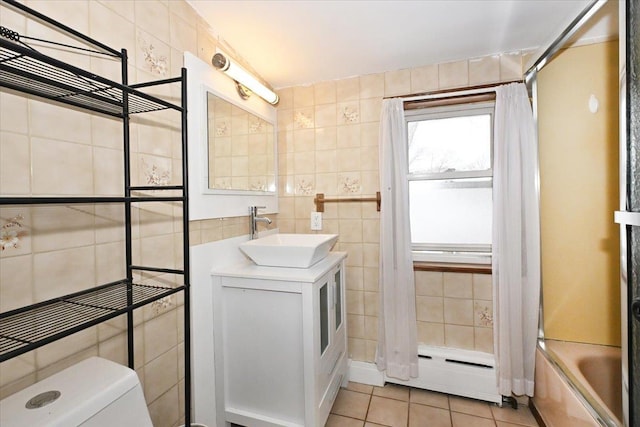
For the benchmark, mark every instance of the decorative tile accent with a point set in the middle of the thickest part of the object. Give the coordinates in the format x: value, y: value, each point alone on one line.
x: 158, y: 306
x: 156, y: 176
x: 256, y: 126
x: 349, y: 185
x: 222, y: 183
x: 222, y: 129
x: 303, y: 120
x: 258, y: 185
x: 304, y: 187
x: 350, y: 115
x: 157, y: 64
x: 485, y: 315
x: 11, y: 233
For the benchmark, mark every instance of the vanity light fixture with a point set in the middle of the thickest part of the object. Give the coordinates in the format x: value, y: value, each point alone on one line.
x: 245, y: 82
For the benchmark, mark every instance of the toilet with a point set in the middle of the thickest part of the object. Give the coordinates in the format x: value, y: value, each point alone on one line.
x: 93, y: 393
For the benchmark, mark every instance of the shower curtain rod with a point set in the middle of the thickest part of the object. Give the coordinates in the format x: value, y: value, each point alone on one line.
x: 563, y: 38
x: 453, y: 92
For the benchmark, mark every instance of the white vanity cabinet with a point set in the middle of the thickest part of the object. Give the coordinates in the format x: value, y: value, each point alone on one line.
x: 280, y: 342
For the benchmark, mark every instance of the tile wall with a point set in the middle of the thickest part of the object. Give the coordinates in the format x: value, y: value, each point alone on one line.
x: 328, y: 143
x: 455, y: 310
x: 46, y: 149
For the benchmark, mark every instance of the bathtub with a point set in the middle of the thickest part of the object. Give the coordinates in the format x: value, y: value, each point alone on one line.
x: 578, y: 384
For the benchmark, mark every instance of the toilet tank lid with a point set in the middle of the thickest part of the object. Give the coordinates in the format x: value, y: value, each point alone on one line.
x: 85, y: 389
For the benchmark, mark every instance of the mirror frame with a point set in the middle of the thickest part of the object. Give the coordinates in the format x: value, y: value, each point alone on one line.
x: 204, y: 202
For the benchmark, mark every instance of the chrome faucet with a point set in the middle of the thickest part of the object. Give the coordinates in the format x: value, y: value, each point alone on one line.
x: 254, y: 220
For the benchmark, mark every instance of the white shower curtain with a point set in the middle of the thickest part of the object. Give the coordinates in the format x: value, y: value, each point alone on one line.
x: 516, y: 240
x: 397, y: 351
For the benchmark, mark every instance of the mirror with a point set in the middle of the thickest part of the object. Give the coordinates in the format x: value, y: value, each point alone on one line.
x: 232, y: 146
x: 241, y: 150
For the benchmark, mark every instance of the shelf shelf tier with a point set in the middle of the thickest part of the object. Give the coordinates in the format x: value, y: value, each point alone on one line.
x: 28, y: 328
x: 86, y: 200
x: 29, y: 71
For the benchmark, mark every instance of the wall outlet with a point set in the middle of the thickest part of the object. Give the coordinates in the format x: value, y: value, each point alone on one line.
x: 316, y: 221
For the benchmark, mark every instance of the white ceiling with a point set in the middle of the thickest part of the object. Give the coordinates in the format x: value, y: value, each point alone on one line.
x: 295, y: 42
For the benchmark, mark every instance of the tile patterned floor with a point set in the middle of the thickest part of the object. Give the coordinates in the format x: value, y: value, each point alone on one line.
x: 361, y: 405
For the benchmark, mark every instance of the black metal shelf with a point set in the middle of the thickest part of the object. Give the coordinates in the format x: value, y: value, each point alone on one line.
x: 63, y: 200
x: 30, y: 327
x: 29, y: 71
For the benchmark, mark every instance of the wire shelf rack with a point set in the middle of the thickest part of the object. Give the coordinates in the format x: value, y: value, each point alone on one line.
x: 29, y: 71
x: 25, y: 329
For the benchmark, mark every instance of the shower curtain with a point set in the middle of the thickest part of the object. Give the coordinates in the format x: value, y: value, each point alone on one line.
x: 397, y: 352
x: 516, y: 240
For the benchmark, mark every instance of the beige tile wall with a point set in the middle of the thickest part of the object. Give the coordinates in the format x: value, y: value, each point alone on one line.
x: 46, y: 149
x: 455, y: 310
x: 328, y: 143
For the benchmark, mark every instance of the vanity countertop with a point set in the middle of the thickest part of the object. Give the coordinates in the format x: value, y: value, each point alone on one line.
x: 248, y: 269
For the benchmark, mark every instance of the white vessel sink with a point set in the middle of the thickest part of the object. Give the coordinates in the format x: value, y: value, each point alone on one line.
x: 289, y: 250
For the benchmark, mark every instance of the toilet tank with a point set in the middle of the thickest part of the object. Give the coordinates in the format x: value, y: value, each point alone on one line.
x: 93, y: 393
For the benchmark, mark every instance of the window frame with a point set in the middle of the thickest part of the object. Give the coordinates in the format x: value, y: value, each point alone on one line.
x: 448, y: 253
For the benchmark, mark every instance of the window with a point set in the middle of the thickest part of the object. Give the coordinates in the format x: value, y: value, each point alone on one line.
x: 450, y: 182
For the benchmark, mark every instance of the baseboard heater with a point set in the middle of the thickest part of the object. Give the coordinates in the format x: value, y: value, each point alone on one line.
x: 459, y: 372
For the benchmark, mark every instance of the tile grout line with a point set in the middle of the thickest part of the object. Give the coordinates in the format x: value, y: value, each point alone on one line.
x: 368, y: 407
x: 408, y: 401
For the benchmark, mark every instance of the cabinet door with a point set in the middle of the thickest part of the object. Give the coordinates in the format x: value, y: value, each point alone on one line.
x: 258, y: 351
x: 330, y: 307
x: 332, y: 363
x: 337, y: 276
x: 324, y: 310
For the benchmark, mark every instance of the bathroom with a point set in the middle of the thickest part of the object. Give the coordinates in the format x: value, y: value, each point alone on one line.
x: 326, y: 143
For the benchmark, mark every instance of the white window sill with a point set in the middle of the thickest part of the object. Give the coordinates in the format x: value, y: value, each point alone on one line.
x: 454, y: 258
x: 452, y: 263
